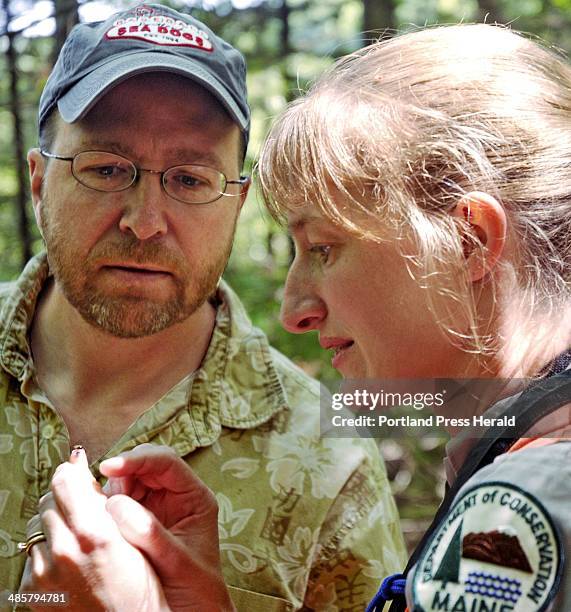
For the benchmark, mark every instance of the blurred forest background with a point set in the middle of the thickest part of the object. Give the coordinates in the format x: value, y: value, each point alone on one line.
x: 286, y: 44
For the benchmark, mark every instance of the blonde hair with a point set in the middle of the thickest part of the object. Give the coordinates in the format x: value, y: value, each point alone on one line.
x: 405, y: 127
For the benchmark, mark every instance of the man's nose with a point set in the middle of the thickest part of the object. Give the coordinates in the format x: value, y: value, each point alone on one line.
x: 302, y: 309
x: 144, y: 214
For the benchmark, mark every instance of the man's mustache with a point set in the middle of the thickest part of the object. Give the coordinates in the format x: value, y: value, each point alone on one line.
x: 137, y: 251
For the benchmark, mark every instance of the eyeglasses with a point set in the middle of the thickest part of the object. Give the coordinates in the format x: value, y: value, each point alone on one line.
x: 108, y: 172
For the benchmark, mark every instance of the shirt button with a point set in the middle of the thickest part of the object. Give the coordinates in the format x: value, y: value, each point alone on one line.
x: 48, y: 432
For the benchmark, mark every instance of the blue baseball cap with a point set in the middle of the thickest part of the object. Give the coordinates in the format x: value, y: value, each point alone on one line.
x: 147, y: 38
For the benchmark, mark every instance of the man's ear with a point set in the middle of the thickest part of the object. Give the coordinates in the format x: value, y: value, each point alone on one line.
x: 37, y: 167
x: 488, y: 227
x: 244, y: 193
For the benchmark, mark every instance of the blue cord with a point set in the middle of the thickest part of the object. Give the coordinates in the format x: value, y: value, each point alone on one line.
x: 391, y: 587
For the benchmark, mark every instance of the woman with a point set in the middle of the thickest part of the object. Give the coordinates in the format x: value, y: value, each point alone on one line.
x: 426, y: 182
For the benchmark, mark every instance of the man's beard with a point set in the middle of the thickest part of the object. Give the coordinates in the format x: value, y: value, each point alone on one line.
x: 121, y: 314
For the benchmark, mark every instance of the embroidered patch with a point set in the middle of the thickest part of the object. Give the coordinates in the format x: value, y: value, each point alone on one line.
x: 497, y: 550
x: 144, y: 23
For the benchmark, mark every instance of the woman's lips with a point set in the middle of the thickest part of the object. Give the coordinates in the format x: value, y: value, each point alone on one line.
x: 339, y: 354
x: 339, y: 346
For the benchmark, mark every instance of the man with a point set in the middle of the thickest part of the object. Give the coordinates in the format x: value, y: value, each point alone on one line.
x: 123, y: 335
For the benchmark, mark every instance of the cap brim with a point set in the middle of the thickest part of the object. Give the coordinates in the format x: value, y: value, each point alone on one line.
x: 78, y: 100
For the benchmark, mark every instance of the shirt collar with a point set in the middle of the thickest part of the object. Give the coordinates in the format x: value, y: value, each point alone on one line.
x: 17, y: 306
x: 239, y: 364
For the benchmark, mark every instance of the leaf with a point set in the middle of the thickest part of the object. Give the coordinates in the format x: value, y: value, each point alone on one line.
x: 6, y: 443
x: 227, y: 517
x: 241, y: 467
x: 241, y: 518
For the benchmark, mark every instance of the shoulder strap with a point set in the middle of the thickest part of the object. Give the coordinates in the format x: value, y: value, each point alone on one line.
x: 536, y: 402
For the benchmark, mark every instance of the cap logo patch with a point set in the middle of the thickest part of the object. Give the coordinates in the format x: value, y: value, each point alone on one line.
x: 145, y: 24
x: 498, y: 550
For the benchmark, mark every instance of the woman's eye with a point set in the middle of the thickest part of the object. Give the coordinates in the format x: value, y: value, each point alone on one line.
x: 322, y: 251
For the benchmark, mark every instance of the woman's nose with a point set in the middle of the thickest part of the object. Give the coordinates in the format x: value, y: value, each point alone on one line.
x: 302, y: 308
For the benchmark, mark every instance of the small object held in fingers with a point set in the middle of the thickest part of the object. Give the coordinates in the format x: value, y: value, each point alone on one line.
x: 35, y: 538
x: 76, y: 450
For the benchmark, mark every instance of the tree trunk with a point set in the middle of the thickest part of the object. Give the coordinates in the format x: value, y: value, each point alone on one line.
x: 378, y: 15
x: 285, y: 50
x: 490, y: 12
x: 21, y: 168
x: 66, y: 14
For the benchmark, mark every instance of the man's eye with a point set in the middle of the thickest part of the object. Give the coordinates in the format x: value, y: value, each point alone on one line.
x: 190, y: 181
x: 103, y: 172
x: 108, y: 170
x: 322, y: 251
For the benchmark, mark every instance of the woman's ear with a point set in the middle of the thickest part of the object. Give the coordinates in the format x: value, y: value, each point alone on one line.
x: 488, y: 227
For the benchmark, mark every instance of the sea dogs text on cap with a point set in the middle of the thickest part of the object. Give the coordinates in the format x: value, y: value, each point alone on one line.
x: 159, y: 29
